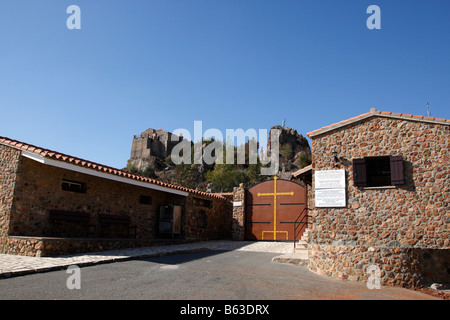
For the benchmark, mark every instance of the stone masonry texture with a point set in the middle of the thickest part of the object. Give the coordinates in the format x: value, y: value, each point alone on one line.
x: 238, y: 224
x: 9, y: 161
x: 29, y: 190
x: 404, y: 230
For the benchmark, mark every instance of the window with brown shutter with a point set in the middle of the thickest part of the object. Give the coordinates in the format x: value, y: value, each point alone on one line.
x: 359, y: 172
x: 380, y: 171
x: 397, y: 172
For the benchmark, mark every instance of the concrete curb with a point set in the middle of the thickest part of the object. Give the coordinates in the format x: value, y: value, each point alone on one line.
x: 292, y: 258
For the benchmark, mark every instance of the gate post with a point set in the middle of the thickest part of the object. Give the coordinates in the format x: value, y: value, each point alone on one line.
x: 238, y: 226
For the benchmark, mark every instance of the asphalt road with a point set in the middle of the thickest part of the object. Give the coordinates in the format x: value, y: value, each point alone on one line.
x: 221, y: 275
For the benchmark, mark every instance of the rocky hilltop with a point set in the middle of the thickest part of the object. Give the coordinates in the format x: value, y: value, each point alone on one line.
x: 294, y: 150
x: 151, y: 148
x: 150, y: 156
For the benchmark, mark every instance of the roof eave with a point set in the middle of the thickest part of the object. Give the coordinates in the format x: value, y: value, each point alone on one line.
x: 376, y: 113
x: 104, y: 175
x: 307, y: 169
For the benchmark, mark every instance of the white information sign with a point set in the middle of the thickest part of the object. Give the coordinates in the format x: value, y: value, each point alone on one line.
x: 330, y: 198
x: 330, y: 179
x: 330, y: 188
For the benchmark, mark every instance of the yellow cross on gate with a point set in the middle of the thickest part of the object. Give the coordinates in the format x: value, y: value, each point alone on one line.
x: 275, y: 194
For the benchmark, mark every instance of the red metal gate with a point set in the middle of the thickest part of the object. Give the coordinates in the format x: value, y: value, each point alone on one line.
x: 272, y: 208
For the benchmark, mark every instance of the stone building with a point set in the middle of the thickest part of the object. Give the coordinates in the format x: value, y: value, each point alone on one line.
x: 150, y: 146
x: 393, y: 217
x: 52, y: 203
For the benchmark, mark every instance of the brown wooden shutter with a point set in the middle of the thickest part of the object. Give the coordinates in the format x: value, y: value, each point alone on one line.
x: 397, y: 175
x: 359, y: 172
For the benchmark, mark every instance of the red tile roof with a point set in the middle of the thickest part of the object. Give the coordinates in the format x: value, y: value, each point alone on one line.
x: 376, y: 113
x: 226, y: 194
x: 96, y: 166
x: 302, y: 171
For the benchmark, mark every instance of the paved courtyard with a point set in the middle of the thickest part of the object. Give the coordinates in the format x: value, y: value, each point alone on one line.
x: 11, y: 265
x: 218, y: 270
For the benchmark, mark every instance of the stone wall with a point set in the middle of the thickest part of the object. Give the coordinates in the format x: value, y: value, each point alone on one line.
x: 238, y: 224
x: 208, y: 218
x: 38, y: 190
x: 31, y: 189
x: 9, y: 161
x: 399, y: 266
x: 48, y: 247
x: 401, y: 220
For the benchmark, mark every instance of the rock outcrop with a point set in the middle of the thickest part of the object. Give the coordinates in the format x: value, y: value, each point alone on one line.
x: 294, y: 151
x: 152, y: 148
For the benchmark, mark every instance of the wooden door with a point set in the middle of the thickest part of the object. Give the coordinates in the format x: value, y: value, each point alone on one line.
x: 272, y: 207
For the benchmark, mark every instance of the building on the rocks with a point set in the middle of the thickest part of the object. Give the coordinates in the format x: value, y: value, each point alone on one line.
x: 52, y: 203
x: 151, y: 148
x: 152, y: 142
x: 380, y: 199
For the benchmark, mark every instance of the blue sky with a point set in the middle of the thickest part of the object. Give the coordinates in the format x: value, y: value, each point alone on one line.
x: 233, y: 64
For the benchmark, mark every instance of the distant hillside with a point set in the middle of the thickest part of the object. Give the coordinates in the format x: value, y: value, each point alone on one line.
x: 150, y: 156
